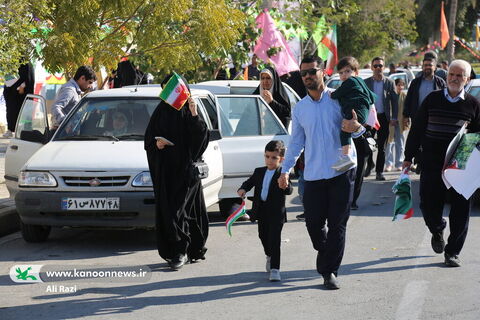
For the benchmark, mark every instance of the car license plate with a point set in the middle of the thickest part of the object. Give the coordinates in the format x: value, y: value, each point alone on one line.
x: 90, y: 203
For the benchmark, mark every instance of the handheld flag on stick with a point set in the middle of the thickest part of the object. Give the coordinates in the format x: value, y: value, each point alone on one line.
x: 175, y: 92
x: 403, y: 208
x: 240, y: 211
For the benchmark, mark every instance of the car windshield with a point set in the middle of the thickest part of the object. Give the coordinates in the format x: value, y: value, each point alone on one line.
x: 108, y: 119
x: 475, y: 91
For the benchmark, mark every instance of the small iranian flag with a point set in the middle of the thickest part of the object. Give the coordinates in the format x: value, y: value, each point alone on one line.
x: 403, y: 208
x: 175, y: 92
x: 240, y: 211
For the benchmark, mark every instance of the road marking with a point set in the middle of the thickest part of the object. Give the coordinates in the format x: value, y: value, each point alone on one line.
x: 413, y: 298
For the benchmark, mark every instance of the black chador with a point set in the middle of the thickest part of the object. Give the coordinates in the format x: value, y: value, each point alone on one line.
x: 181, y: 215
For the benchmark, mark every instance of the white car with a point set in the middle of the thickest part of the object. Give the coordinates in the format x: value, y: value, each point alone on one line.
x: 85, y: 176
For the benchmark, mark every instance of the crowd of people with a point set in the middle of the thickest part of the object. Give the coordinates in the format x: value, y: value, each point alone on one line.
x: 329, y: 146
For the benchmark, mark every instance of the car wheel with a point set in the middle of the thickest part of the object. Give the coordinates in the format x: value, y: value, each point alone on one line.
x: 33, y: 233
x: 226, y: 206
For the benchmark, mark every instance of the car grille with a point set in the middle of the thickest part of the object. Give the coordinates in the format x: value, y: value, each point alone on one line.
x: 116, y: 181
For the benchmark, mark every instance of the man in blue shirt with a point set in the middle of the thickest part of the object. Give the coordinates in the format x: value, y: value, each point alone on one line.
x: 70, y: 93
x: 316, y: 124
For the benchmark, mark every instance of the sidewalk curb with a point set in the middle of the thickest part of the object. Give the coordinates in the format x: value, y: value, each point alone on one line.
x: 9, y: 219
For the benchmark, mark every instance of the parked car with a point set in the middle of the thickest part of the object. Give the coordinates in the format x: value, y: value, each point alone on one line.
x: 86, y: 176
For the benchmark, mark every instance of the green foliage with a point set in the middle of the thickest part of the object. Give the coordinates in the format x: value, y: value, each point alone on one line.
x: 376, y: 29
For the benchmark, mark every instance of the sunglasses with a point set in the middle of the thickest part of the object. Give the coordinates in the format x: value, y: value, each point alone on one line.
x: 378, y: 66
x: 311, y: 72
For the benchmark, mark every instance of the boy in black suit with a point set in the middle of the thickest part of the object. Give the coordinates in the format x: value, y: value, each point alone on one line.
x: 269, y: 204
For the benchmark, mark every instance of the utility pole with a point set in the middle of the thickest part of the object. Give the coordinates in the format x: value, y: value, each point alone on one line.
x: 451, y: 28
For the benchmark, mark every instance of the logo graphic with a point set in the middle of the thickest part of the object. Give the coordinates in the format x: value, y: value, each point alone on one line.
x: 95, y: 182
x: 25, y: 273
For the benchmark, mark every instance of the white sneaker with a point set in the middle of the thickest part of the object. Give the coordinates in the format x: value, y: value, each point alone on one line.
x: 8, y: 134
x: 344, y: 163
x: 267, y: 265
x: 275, y: 275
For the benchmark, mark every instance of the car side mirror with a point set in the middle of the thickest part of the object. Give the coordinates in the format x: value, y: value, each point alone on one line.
x: 215, y: 135
x: 33, y: 136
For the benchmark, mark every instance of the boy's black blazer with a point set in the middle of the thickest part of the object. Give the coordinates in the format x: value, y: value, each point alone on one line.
x: 275, y: 203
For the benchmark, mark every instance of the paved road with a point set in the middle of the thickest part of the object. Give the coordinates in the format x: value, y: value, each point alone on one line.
x: 389, y: 272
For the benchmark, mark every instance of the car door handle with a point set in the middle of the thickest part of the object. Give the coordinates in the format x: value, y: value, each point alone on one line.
x: 14, y: 147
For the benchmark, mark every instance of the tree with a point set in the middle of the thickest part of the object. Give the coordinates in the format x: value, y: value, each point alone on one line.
x: 376, y: 28
x: 164, y: 34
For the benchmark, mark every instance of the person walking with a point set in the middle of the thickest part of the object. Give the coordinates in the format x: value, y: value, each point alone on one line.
x: 269, y: 204
x: 440, y: 117
x: 387, y: 110
x: 316, y: 125
x: 181, y: 221
x: 396, y: 138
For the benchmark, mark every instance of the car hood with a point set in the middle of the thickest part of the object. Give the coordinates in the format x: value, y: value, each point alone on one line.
x: 90, y: 155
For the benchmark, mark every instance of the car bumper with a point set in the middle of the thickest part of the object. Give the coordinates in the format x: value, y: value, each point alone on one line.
x: 137, y: 209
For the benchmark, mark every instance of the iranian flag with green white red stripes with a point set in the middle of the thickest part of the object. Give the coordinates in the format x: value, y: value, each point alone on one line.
x: 175, y: 92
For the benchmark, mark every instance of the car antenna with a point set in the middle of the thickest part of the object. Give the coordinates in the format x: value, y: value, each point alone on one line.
x: 140, y: 81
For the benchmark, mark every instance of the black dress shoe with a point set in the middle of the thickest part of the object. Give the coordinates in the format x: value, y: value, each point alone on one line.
x: 380, y: 177
x: 368, y: 170
x: 438, y: 244
x: 178, y: 261
x: 301, y: 217
x: 330, y: 281
x: 354, y: 206
x: 197, y: 255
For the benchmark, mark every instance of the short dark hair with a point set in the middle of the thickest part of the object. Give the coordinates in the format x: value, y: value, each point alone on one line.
x: 86, y: 71
x: 378, y: 58
x: 430, y: 58
x: 310, y: 59
x: 429, y: 55
x: 276, y: 145
x: 399, y: 80
x: 348, y: 62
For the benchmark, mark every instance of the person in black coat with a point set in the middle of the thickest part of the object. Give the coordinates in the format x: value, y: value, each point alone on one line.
x: 16, y: 93
x: 272, y: 91
x: 269, y: 204
x: 181, y: 214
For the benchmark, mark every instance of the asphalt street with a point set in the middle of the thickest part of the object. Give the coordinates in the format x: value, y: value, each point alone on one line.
x: 389, y: 271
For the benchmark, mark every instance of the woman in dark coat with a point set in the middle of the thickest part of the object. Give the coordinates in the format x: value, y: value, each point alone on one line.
x: 272, y: 91
x: 181, y: 215
x: 15, y: 94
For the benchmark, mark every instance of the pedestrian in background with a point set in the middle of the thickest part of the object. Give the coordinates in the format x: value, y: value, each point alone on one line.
x: 269, y: 204
x: 71, y: 92
x: 386, y: 105
x: 440, y: 117
x: 272, y: 91
x: 396, y: 138
x: 15, y: 92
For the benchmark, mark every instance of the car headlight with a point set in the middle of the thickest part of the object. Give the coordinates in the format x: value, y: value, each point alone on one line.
x: 36, y: 179
x: 143, y: 180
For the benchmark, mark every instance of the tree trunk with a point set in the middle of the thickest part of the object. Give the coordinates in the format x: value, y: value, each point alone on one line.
x: 451, y: 28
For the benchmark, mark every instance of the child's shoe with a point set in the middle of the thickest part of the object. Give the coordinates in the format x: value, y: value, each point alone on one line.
x: 275, y: 275
x: 344, y: 163
x: 267, y: 265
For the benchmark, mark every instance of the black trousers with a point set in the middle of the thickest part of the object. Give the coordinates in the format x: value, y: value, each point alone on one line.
x: 363, y: 152
x: 327, y: 209
x: 382, y: 136
x: 270, y: 233
x: 432, y: 200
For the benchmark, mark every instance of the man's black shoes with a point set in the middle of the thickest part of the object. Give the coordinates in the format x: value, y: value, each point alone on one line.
x: 178, y: 261
x: 452, y: 260
x: 380, y: 177
x: 330, y: 281
x: 301, y: 217
x: 438, y: 244
x: 354, y: 206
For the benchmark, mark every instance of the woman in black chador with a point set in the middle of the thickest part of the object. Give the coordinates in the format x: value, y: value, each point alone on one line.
x: 181, y: 215
x: 272, y: 91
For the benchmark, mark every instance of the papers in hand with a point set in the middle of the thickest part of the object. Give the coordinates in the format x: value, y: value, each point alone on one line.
x: 165, y: 140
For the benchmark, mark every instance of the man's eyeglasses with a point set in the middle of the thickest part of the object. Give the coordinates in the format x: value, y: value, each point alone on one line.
x: 311, y: 72
x: 378, y: 66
